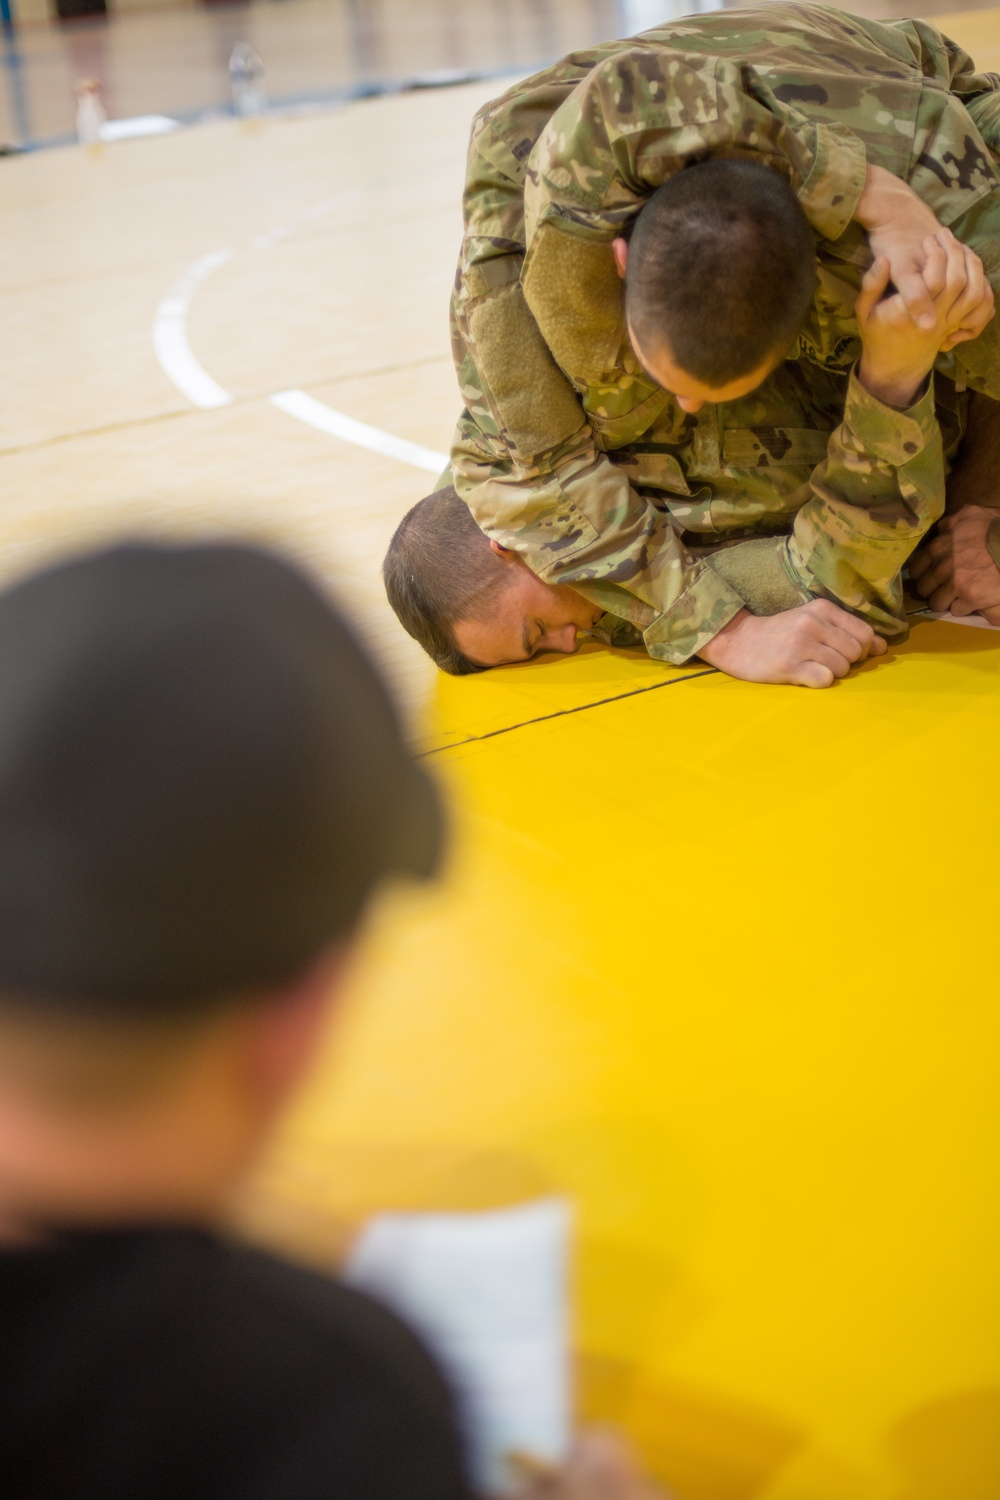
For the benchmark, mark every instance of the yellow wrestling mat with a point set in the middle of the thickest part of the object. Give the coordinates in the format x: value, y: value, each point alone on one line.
x: 717, y: 961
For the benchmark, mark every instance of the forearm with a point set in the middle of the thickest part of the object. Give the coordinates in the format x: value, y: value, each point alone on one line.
x: 879, y: 490
x: 975, y: 473
x: 758, y: 571
x: 883, y: 197
x: 626, y: 129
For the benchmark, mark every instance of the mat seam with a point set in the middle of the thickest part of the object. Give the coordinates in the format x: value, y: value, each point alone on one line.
x: 562, y: 713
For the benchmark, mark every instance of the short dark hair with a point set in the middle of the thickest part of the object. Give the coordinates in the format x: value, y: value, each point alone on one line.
x: 722, y: 266
x: 439, y: 568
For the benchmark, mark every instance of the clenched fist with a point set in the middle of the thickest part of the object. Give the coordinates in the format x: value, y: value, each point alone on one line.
x: 810, y: 646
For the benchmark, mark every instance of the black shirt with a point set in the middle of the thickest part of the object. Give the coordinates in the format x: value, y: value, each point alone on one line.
x: 168, y: 1364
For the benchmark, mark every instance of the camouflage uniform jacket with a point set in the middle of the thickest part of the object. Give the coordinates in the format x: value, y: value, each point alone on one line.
x: 569, y: 454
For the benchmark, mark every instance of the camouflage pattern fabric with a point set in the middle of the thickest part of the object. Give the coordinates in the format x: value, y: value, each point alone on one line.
x: 567, y: 453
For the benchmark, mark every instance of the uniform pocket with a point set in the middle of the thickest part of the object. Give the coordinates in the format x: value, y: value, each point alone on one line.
x: 771, y: 447
x: 649, y: 468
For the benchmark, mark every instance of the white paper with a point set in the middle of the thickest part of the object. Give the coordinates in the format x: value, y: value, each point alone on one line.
x: 488, y: 1294
x: 976, y: 620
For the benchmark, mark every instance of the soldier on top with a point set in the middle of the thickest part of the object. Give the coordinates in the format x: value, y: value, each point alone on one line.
x: 612, y: 447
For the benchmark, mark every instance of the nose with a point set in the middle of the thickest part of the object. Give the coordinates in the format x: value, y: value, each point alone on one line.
x: 688, y: 403
x: 563, y: 639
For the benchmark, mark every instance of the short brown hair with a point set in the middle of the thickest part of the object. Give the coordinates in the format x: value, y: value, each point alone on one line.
x: 722, y: 265
x: 439, y: 568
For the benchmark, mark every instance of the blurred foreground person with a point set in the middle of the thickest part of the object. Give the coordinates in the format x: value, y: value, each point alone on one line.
x: 202, y: 782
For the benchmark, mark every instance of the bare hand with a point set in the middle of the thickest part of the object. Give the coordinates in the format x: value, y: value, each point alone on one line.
x: 954, y: 571
x: 899, y: 225
x: 980, y: 304
x: 897, y: 353
x: 974, y: 307
x: 810, y: 646
x: 600, y: 1467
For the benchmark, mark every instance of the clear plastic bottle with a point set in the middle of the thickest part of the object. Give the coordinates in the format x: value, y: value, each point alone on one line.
x: 246, y: 77
x: 90, y: 112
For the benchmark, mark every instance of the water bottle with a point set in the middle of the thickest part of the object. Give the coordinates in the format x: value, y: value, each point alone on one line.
x: 246, y: 76
x: 90, y: 112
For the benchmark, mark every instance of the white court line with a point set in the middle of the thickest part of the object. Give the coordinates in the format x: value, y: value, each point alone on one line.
x: 315, y: 414
x: 177, y: 361
x: 170, y: 340
x: 273, y: 236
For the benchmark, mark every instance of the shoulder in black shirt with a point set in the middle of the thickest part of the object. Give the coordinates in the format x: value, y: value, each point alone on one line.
x: 169, y: 1364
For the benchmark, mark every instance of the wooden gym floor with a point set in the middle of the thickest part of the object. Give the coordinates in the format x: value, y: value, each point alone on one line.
x: 717, y: 960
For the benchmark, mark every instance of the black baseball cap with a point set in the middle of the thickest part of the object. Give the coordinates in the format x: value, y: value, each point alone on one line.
x: 202, y: 779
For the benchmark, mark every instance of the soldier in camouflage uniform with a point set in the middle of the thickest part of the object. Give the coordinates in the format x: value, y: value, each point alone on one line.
x: 570, y: 455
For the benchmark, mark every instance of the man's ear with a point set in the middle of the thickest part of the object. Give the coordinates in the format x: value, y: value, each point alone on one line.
x: 620, y: 247
x: 499, y: 550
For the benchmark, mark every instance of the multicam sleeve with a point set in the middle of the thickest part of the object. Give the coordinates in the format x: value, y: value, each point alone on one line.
x: 574, y: 518
x: 645, y: 113
x: 877, y: 492
x: 940, y: 58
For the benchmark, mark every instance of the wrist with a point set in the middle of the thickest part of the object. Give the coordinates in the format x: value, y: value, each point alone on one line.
x: 718, y: 651
x: 892, y: 387
x: 871, y: 205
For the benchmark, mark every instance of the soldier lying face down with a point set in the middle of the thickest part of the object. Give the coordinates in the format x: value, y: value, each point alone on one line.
x: 474, y: 604
x: 785, y: 364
